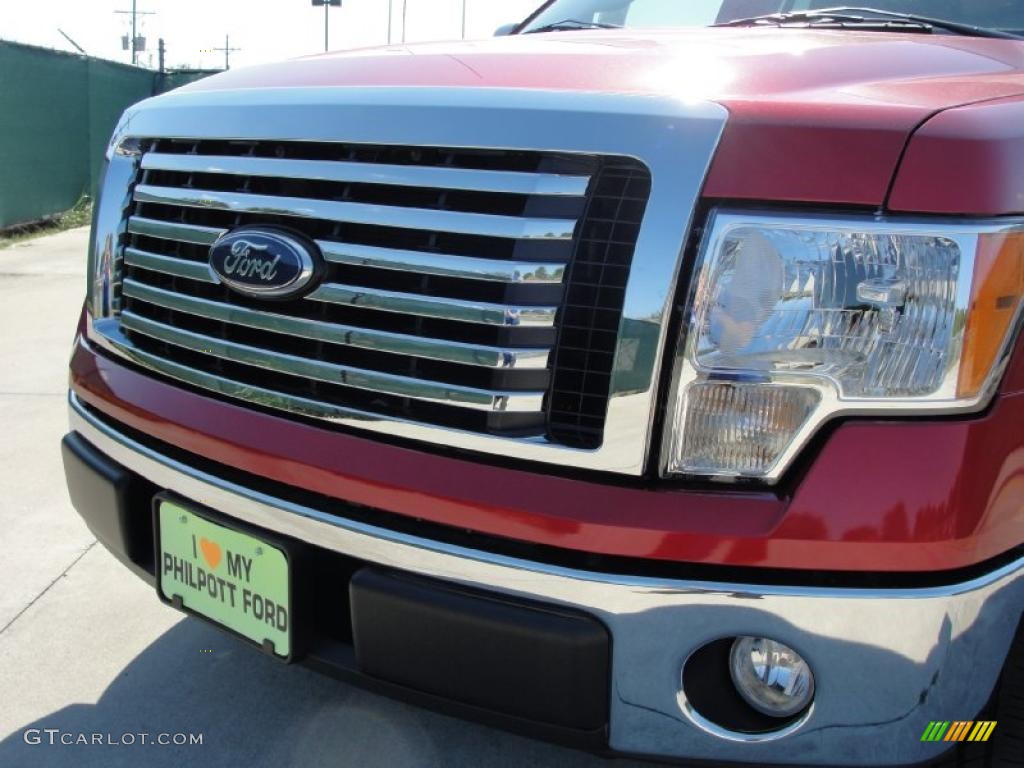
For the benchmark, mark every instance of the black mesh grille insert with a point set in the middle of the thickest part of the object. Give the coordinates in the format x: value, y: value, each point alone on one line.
x: 592, y: 308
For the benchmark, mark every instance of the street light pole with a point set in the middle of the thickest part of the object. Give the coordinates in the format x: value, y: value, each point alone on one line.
x: 405, y: 7
x: 391, y: 15
x: 327, y: 17
x: 463, y: 19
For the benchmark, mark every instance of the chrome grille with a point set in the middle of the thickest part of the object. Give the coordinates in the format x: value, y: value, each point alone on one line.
x: 440, y: 301
x: 387, y: 132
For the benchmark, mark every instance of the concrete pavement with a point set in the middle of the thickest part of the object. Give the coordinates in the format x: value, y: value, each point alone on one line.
x: 86, y: 648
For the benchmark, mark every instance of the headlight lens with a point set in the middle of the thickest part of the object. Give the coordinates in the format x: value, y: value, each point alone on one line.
x: 836, y: 305
x: 792, y: 322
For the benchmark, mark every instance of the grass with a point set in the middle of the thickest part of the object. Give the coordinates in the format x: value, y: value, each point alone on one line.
x: 79, y: 216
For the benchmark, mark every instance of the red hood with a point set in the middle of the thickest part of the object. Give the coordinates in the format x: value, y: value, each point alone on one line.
x: 840, y: 104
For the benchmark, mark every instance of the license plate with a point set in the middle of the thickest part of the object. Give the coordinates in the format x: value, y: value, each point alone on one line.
x: 231, y: 578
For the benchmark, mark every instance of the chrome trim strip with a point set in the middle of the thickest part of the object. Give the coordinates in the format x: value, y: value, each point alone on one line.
x: 364, y: 338
x: 374, y: 381
x: 874, y: 652
x: 170, y: 230
x: 480, y: 224
x: 431, y: 177
x: 466, y: 267
x: 168, y: 265
x: 432, y: 306
x: 673, y: 135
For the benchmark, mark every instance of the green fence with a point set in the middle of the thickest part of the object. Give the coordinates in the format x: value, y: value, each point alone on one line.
x: 57, y: 111
x: 175, y: 78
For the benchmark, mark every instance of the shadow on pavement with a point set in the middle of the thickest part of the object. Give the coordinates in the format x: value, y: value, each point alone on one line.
x: 253, y: 711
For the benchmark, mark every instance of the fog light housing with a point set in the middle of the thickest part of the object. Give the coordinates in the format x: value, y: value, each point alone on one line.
x: 771, y: 677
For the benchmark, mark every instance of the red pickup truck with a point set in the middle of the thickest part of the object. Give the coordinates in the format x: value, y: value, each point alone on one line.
x: 647, y: 379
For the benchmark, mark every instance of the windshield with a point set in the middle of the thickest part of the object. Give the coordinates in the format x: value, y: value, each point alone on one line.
x: 1005, y: 15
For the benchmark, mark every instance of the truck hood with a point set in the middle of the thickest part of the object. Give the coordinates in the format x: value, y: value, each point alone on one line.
x: 815, y: 115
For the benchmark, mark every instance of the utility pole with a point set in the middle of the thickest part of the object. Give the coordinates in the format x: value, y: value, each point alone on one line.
x: 391, y: 13
x: 161, y: 50
x: 227, y: 51
x: 463, y: 19
x: 405, y: 7
x: 135, y: 13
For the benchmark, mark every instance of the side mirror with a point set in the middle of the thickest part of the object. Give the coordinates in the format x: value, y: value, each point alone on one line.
x: 506, y: 29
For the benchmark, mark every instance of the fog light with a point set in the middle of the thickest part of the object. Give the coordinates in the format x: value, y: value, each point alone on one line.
x: 771, y: 677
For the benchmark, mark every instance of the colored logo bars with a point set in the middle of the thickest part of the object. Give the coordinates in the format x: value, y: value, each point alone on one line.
x: 959, y: 730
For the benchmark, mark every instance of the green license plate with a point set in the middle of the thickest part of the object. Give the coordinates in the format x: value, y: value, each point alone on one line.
x: 228, y: 577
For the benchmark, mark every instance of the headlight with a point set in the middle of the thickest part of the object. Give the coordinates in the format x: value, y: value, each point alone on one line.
x: 792, y: 322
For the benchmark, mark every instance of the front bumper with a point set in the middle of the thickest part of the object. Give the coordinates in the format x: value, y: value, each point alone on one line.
x: 886, y: 661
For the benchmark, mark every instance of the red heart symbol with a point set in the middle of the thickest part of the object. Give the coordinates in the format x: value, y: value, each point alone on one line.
x: 211, y: 552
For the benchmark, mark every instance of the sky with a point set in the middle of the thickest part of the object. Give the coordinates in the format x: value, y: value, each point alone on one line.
x: 264, y: 30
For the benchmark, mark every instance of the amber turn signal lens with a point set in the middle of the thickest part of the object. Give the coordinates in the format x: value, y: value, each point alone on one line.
x: 996, y: 295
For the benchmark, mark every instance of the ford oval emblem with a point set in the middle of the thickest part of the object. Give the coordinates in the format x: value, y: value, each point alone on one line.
x: 264, y: 262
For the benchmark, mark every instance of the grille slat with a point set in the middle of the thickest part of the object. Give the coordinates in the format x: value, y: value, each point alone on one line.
x: 231, y: 387
x: 169, y: 265
x: 292, y: 365
x: 169, y: 230
x: 435, y: 349
x: 446, y: 265
x: 429, y: 306
x: 464, y: 179
x: 430, y: 220
x: 449, y: 276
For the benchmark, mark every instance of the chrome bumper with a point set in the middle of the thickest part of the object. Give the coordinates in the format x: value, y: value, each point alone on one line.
x: 886, y: 662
